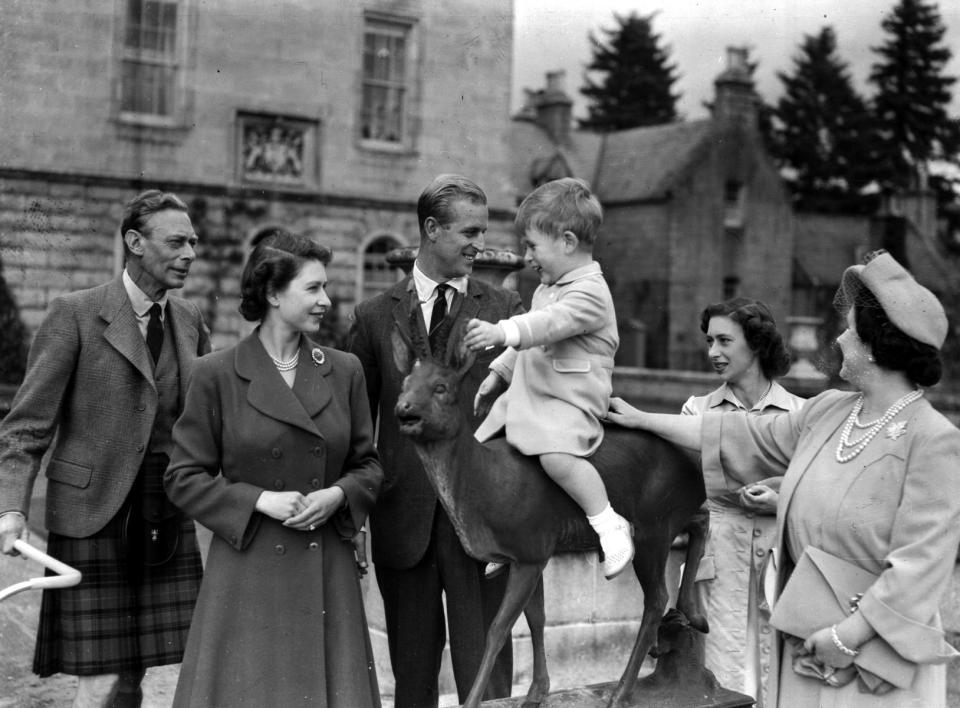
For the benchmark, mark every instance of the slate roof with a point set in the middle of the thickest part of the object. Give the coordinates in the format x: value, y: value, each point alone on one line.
x: 627, y: 166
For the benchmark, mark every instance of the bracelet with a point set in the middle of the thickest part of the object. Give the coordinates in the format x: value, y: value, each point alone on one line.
x: 840, y: 645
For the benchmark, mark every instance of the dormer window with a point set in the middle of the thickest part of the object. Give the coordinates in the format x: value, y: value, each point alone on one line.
x: 733, y: 201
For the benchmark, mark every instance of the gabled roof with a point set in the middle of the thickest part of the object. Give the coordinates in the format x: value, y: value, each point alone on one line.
x: 643, y: 163
x: 630, y: 165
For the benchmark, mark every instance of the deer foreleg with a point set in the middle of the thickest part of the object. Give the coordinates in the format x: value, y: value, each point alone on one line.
x: 537, y: 620
x: 697, y: 528
x: 520, y: 586
x: 650, y: 572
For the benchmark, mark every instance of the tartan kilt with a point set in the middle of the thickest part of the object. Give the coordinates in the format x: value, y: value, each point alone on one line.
x: 115, y: 620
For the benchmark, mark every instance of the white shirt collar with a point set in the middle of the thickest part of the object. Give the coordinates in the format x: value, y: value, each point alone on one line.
x: 141, y: 303
x: 426, y: 286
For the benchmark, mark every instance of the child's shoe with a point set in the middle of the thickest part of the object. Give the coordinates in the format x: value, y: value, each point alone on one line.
x: 615, y: 540
x: 493, y: 570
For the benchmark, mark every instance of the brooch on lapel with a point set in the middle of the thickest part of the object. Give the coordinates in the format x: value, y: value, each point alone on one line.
x: 317, y: 356
x: 895, y: 430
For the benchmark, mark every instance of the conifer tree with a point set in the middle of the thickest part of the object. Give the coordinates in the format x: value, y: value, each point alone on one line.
x: 637, y: 84
x: 912, y: 95
x: 823, y: 130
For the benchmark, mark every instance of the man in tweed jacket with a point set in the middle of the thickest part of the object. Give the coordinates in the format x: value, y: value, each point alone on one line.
x: 105, y: 400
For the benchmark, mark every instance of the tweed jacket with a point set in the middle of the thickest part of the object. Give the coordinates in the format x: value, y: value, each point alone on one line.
x: 89, y: 392
x: 896, y: 511
x: 561, y: 372
x: 402, y: 520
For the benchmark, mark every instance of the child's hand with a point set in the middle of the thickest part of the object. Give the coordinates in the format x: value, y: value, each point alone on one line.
x: 488, y: 392
x: 482, y: 335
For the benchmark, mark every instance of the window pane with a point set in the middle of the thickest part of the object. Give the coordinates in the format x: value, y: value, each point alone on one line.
x: 146, y: 88
x: 384, y: 73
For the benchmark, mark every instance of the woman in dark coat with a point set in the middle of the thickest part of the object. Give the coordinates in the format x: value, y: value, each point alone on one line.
x: 280, y: 619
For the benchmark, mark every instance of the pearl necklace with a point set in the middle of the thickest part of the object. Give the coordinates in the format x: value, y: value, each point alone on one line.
x: 873, y: 428
x: 288, y: 365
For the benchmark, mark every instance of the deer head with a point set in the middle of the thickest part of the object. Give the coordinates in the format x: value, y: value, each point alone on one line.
x: 427, y: 408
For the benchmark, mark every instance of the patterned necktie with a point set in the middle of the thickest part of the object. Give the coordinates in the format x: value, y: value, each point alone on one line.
x: 155, y: 333
x: 439, y: 307
x: 436, y: 318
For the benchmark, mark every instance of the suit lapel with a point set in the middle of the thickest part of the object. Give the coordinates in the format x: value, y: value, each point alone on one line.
x: 123, y: 331
x: 827, y: 425
x: 185, y: 338
x: 311, y: 386
x: 405, y: 303
x: 268, y: 393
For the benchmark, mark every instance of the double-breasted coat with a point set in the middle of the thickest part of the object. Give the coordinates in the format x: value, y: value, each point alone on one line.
x: 280, y: 618
x: 894, y: 510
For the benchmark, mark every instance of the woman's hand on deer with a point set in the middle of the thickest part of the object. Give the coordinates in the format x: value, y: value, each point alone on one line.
x: 320, y: 506
x: 490, y: 389
x: 482, y: 335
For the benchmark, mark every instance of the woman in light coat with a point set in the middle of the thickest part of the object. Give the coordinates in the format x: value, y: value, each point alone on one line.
x: 871, y: 478
x: 748, y: 354
x: 274, y: 453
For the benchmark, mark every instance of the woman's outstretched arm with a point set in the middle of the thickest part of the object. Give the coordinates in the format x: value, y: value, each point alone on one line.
x: 682, y: 430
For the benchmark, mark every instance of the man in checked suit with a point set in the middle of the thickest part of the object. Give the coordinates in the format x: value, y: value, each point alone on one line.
x: 417, y: 554
x: 105, y: 381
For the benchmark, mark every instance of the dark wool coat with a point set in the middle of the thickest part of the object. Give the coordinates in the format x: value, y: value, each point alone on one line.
x: 280, y: 619
x: 402, y: 521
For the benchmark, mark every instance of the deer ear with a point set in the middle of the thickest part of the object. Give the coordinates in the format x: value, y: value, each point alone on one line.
x: 401, y: 352
x: 459, y: 356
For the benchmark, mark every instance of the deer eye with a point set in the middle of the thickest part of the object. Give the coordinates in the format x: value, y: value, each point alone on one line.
x: 440, y: 388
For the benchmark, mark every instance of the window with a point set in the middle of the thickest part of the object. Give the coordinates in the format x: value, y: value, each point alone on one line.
x: 733, y: 198
x: 150, y: 64
x: 386, y: 65
x: 378, y: 275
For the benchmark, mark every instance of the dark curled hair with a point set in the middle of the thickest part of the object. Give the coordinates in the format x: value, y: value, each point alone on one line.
x: 896, y: 351
x: 273, y: 263
x: 759, y: 328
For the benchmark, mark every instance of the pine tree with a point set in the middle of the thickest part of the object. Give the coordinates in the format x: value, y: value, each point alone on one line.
x: 823, y: 129
x: 638, y: 79
x: 912, y: 96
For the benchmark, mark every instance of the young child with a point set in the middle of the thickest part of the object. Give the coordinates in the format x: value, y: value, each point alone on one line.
x: 559, y: 361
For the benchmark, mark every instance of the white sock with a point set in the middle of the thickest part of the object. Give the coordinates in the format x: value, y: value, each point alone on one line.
x: 604, y: 520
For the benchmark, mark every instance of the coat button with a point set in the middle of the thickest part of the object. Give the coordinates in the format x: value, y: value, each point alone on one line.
x: 757, y: 532
x: 278, y: 485
x: 141, y: 407
x: 761, y: 553
x: 317, y: 451
x: 313, y: 545
x: 140, y: 448
x: 233, y: 540
x: 276, y: 453
x: 315, y: 483
x: 279, y: 549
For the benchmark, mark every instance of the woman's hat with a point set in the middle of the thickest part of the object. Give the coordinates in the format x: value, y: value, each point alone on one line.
x: 908, y: 305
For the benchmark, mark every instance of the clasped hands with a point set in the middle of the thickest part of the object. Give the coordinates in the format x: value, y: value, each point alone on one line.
x: 299, y: 511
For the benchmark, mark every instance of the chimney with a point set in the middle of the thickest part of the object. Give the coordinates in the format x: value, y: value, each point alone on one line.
x: 555, y: 108
x: 735, y: 101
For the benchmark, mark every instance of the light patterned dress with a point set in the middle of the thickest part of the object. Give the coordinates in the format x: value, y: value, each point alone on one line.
x: 737, y: 648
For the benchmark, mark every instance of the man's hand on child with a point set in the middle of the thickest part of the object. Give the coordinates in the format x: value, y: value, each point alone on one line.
x: 488, y: 392
x: 482, y: 335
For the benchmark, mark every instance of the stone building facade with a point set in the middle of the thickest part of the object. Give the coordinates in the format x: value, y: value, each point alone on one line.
x: 325, y: 117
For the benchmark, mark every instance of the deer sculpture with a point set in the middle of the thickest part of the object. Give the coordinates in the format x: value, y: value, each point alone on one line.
x: 505, y: 508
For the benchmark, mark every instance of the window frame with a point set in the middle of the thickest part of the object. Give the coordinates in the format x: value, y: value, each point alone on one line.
x: 396, y: 26
x: 177, y: 62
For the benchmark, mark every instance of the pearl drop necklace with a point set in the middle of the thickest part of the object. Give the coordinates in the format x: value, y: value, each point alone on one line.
x: 873, y: 428
x: 288, y: 365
